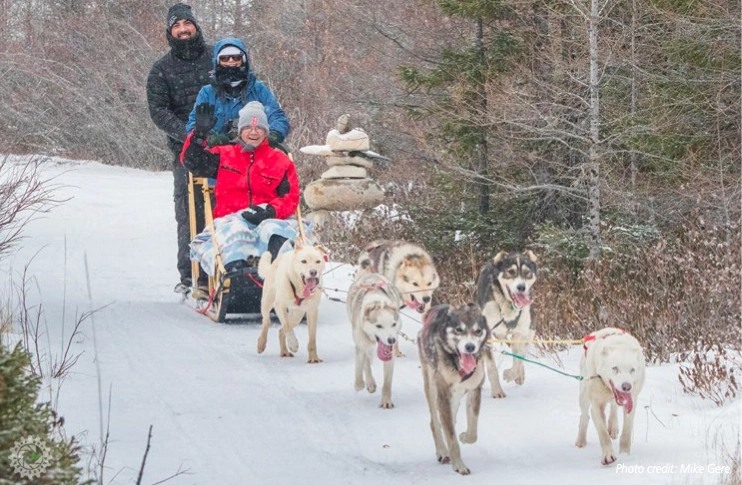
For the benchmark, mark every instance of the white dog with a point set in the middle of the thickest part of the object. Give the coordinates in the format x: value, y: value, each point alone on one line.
x: 613, y: 372
x: 291, y: 288
x: 373, y: 310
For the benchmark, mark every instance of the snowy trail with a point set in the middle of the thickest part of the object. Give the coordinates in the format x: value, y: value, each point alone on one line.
x: 231, y: 416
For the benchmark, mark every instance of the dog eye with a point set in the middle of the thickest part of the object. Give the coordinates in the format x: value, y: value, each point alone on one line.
x: 615, y: 369
x: 303, y: 261
x: 526, y: 274
x: 394, y: 324
x: 415, y: 284
x: 378, y: 326
x: 458, y: 331
x: 632, y: 370
x: 478, y: 332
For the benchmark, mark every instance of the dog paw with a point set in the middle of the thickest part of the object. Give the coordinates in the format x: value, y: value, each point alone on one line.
x: 399, y: 354
x: 371, y: 386
x: 608, y: 458
x: 508, y: 375
x: 624, y: 447
x: 468, y: 438
x: 498, y: 394
x: 359, y: 385
x: 292, y: 342
x: 286, y: 354
x: 261, y: 344
x: 520, y: 379
x: 386, y: 404
x: 460, y: 468
x: 581, y: 442
x: 314, y: 360
x: 443, y: 459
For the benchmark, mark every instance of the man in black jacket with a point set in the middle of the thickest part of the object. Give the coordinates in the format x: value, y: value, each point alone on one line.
x: 172, y: 87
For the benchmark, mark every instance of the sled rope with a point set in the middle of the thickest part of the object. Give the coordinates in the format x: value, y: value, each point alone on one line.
x: 539, y: 341
x: 574, y: 376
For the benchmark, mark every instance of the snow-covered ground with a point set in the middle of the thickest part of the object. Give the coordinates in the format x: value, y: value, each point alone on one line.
x: 230, y: 416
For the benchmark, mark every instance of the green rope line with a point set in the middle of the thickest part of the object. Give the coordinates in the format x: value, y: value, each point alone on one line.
x: 579, y: 378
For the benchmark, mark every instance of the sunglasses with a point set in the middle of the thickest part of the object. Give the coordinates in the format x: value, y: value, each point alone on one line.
x: 236, y: 57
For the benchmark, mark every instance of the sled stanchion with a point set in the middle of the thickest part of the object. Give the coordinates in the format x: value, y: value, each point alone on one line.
x: 193, y: 224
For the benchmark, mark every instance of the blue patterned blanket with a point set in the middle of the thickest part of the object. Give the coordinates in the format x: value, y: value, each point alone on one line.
x: 237, y: 239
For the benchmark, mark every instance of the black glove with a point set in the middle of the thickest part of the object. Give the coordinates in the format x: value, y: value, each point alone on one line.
x: 274, y: 138
x: 205, y: 120
x: 256, y: 214
x: 216, y: 139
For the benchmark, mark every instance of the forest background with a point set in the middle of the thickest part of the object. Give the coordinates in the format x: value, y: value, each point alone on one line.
x: 604, y: 136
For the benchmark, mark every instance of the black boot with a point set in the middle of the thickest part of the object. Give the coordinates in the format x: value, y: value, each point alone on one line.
x: 274, y: 245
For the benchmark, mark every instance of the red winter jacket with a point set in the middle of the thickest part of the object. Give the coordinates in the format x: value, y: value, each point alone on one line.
x: 245, y: 178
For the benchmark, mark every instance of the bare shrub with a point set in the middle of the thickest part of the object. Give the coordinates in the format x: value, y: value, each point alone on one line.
x: 709, y: 373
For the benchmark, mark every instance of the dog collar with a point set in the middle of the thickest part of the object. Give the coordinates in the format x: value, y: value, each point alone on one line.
x: 464, y: 376
x: 297, y: 300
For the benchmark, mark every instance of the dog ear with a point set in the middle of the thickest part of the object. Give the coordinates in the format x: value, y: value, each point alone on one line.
x: 324, y: 251
x: 298, y: 243
x: 529, y: 254
x: 367, y: 310
x: 498, y: 257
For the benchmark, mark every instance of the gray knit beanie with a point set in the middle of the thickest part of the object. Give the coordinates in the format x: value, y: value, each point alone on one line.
x: 252, y: 114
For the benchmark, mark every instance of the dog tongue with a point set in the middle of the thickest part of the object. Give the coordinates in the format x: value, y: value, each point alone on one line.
x: 521, y: 300
x: 309, y: 285
x: 624, y: 399
x: 414, y: 304
x: 383, y: 351
x: 468, y: 363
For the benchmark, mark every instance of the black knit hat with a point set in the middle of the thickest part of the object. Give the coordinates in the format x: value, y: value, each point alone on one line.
x: 180, y: 11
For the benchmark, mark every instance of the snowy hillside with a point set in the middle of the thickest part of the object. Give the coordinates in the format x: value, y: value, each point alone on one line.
x: 229, y: 416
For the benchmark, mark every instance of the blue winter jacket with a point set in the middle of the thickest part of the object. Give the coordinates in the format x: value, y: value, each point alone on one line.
x: 227, y: 107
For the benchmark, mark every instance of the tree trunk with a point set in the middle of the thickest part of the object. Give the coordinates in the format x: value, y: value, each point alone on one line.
x: 595, y: 151
x: 482, y: 151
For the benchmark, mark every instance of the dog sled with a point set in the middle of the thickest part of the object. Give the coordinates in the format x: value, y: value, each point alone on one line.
x: 238, y: 291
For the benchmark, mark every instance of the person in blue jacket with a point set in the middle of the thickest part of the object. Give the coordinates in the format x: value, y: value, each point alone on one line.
x: 232, y: 86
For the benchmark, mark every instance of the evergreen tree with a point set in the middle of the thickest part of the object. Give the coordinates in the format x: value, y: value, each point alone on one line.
x: 22, y: 417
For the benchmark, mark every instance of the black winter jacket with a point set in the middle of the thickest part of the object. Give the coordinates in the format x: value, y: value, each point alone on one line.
x: 172, y: 87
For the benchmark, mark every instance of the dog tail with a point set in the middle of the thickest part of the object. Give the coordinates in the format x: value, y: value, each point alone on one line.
x: 264, y: 266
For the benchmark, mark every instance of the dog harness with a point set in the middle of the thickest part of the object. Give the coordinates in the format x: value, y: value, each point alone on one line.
x: 511, y: 324
x: 592, y: 336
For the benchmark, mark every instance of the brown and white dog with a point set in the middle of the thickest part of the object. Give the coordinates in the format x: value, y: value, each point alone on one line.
x: 405, y: 264
x: 451, y: 345
x: 613, y: 374
x: 291, y: 287
x: 504, y: 296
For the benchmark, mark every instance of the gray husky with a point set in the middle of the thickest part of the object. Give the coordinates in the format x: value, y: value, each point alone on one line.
x: 451, y: 345
x: 504, y: 296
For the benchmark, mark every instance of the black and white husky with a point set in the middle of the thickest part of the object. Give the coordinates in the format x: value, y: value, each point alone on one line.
x: 373, y: 310
x: 504, y: 296
x: 451, y: 345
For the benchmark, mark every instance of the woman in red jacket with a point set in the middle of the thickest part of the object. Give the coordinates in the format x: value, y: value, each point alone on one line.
x: 252, y: 179
x: 250, y: 175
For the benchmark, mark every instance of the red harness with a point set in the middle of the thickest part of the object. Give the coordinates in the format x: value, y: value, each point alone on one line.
x: 592, y: 337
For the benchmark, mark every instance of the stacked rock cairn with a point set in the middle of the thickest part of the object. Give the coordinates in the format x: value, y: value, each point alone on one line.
x: 346, y: 185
